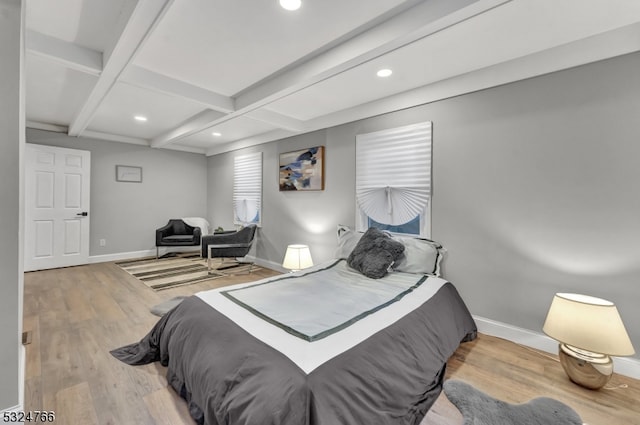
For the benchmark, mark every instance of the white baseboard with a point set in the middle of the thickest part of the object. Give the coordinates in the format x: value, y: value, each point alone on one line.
x: 22, y: 375
x: 17, y: 409
x: 623, y: 365
x: 22, y: 353
x: 138, y: 254
x: 120, y: 256
x: 21, y: 384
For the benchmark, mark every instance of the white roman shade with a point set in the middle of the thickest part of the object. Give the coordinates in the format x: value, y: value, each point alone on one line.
x: 247, y: 189
x: 393, y: 173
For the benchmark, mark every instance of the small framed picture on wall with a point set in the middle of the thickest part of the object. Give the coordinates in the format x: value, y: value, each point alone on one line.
x: 128, y: 173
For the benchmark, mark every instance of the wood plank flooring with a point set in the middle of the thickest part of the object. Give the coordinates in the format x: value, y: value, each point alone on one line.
x: 77, y: 314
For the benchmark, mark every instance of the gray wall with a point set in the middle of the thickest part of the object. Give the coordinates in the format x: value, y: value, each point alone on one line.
x: 536, y: 191
x: 275, y: 234
x: 11, y: 148
x: 174, y: 185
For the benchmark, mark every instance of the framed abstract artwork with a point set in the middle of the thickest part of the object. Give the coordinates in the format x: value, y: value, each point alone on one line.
x: 302, y: 169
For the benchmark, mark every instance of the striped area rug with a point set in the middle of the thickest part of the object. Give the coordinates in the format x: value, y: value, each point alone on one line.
x: 183, y: 268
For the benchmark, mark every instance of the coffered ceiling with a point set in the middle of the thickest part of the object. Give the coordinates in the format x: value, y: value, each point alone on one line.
x: 252, y: 72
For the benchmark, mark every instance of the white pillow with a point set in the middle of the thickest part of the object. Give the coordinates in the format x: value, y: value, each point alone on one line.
x: 421, y: 256
x: 347, y: 241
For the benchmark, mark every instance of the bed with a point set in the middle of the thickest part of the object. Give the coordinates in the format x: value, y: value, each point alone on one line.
x: 324, y: 346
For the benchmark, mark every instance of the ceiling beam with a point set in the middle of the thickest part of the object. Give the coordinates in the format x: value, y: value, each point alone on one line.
x: 145, y: 78
x: 194, y: 125
x: 411, y: 25
x: 598, y: 47
x: 414, y: 24
x: 67, y: 54
x: 143, y: 19
x: 90, y: 61
x: 46, y: 126
x: 276, y: 119
x: 211, y: 118
x: 249, y: 141
x: 115, y: 138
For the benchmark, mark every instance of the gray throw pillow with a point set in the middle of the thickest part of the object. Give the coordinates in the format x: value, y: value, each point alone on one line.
x: 375, y: 253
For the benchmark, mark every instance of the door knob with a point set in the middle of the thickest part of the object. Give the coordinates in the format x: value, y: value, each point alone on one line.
x: 83, y: 214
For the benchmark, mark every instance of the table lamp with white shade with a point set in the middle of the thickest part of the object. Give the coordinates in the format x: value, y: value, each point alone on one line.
x: 297, y: 257
x: 589, y: 330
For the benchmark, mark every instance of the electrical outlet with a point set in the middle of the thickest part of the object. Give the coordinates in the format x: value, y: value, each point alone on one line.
x: 103, y: 242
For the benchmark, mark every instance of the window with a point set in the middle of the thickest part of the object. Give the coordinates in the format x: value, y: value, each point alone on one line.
x: 393, y: 180
x: 247, y: 189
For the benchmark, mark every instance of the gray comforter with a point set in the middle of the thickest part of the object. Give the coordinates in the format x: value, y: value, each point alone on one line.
x: 229, y: 377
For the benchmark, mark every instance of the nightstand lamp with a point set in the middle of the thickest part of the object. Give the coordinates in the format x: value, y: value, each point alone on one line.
x: 297, y: 257
x: 589, y: 330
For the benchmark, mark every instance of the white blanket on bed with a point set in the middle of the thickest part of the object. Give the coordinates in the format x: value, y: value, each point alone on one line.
x: 310, y: 355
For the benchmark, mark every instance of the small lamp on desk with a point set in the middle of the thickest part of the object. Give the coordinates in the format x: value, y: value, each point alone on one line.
x: 297, y: 257
x: 589, y: 330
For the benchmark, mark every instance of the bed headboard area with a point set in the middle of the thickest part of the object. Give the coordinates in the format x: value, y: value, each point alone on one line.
x: 420, y: 255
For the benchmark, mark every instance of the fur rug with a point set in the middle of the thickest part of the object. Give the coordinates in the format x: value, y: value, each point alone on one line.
x: 478, y: 408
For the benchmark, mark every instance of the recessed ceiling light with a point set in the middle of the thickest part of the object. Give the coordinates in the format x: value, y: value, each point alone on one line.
x: 291, y: 4
x: 384, y: 72
x: 216, y: 134
x: 140, y: 118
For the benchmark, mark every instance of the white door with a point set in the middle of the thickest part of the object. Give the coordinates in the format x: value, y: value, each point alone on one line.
x: 56, y: 207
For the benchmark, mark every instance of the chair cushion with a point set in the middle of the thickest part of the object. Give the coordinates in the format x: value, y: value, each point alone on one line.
x: 178, y: 238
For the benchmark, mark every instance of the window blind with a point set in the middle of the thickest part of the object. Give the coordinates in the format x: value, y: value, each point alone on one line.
x: 247, y: 189
x: 393, y: 173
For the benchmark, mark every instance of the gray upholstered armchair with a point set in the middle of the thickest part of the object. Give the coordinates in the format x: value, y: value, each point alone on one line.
x: 233, y: 244
x: 177, y: 233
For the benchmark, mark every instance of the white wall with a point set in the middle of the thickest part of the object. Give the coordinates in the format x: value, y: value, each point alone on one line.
x: 11, y: 149
x: 174, y: 185
x: 536, y: 191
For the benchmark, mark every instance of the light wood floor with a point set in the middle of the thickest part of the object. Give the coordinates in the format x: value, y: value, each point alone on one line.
x: 77, y: 314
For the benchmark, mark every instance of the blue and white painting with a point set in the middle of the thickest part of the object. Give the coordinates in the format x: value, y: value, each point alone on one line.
x: 303, y: 169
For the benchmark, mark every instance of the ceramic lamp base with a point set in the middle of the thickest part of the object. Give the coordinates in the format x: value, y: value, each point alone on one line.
x: 590, y: 370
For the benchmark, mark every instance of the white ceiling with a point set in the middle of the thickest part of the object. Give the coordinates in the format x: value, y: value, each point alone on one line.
x: 254, y: 72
